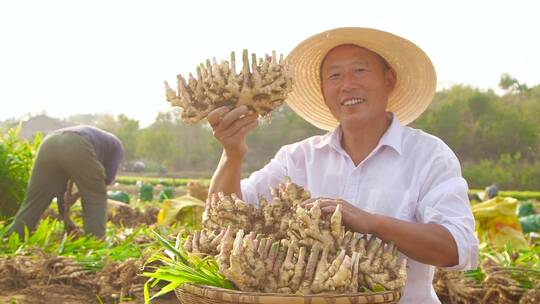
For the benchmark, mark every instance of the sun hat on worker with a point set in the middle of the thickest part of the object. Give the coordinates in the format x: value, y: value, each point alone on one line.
x: 412, y: 94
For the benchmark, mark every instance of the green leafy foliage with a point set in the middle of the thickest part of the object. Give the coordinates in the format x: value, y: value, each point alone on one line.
x: 92, y: 253
x: 495, y: 137
x: 179, y: 267
x: 16, y: 158
x: 523, y: 265
x: 509, y: 172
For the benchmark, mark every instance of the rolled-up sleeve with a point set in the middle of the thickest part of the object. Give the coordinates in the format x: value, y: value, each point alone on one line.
x: 444, y: 201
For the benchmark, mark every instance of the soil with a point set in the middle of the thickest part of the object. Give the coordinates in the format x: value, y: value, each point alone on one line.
x: 118, y: 213
x: 48, y: 279
x: 125, y: 215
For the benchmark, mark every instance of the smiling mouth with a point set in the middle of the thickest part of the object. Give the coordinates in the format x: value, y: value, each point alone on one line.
x: 352, y: 102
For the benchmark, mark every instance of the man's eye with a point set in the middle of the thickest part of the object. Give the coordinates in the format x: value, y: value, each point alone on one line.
x: 333, y: 76
x: 360, y: 69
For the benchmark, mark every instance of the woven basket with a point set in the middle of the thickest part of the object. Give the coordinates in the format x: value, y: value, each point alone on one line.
x: 197, y: 294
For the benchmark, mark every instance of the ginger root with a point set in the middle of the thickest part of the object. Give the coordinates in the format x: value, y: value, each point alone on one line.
x: 279, y: 246
x: 262, y: 85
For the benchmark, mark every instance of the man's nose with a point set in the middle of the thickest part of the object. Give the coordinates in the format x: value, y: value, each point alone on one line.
x: 349, y: 82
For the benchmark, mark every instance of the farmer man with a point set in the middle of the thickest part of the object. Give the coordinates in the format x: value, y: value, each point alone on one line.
x: 395, y: 182
x: 85, y: 155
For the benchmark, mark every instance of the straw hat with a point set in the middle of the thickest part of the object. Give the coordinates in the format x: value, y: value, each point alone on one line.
x: 414, y: 89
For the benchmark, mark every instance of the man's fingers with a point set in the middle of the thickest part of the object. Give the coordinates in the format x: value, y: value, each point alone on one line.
x: 322, y: 201
x: 222, y: 117
x: 242, y: 123
x: 242, y: 131
x: 216, y: 115
x: 234, y: 115
x: 328, y: 209
x: 309, y: 202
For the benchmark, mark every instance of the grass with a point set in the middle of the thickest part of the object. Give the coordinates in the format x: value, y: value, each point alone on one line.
x: 166, y: 181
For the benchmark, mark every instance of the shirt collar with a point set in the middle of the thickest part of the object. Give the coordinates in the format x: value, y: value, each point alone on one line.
x: 391, y: 138
x: 330, y: 139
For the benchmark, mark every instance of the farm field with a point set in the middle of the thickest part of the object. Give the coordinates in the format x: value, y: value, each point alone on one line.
x: 415, y: 131
x: 67, y: 269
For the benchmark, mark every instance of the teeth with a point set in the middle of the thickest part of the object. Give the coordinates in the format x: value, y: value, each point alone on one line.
x: 353, y: 101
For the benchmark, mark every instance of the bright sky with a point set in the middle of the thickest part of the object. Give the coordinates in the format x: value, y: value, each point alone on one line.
x: 71, y: 57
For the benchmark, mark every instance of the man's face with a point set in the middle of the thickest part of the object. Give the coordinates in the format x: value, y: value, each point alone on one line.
x: 356, y: 85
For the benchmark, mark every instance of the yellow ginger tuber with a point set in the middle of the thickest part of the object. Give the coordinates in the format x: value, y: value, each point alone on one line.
x: 281, y: 255
x: 188, y: 243
x: 292, y: 193
x: 195, y: 244
x: 305, y: 288
x: 342, y: 277
x: 286, y: 271
x: 389, y: 279
x: 282, y: 247
x: 337, y: 228
x: 262, y: 85
x: 332, y: 270
x: 353, y: 286
x: 299, y: 268
x: 307, y: 228
x: 254, y: 265
x: 223, y: 211
x: 321, y: 274
x: 204, y: 241
x: 214, y: 242
x: 236, y: 271
x: 225, y: 249
x: 269, y: 262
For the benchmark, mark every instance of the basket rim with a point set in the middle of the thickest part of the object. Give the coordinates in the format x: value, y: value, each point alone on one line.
x: 191, y: 287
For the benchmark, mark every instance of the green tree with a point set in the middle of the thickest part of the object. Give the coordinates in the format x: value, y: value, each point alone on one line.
x: 156, y: 142
x: 512, y: 85
x: 125, y: 128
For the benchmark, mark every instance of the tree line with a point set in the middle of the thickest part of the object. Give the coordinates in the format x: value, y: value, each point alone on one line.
x: 495, y: 136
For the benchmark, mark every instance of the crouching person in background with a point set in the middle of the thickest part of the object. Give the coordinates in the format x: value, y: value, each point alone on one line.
x: 85, y: 155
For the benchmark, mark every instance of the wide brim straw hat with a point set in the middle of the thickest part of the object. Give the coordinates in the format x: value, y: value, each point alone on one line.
x: 415, y: 83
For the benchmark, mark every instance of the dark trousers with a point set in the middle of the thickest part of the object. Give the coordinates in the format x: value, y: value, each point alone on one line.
x: 63, y: 156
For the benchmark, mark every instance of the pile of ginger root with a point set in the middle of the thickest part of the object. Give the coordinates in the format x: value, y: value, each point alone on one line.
x: 280, y: 246
x: 262, y: 85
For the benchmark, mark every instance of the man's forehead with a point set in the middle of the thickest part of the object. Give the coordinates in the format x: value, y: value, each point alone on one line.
x: 350, y: 47
x: 356, y: 55
x: 349, y: 61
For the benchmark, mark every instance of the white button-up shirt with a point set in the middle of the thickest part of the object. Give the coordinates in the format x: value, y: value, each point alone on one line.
x: 410, y: 175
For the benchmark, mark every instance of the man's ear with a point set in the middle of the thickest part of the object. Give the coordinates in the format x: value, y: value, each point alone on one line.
x: 390, y: 78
